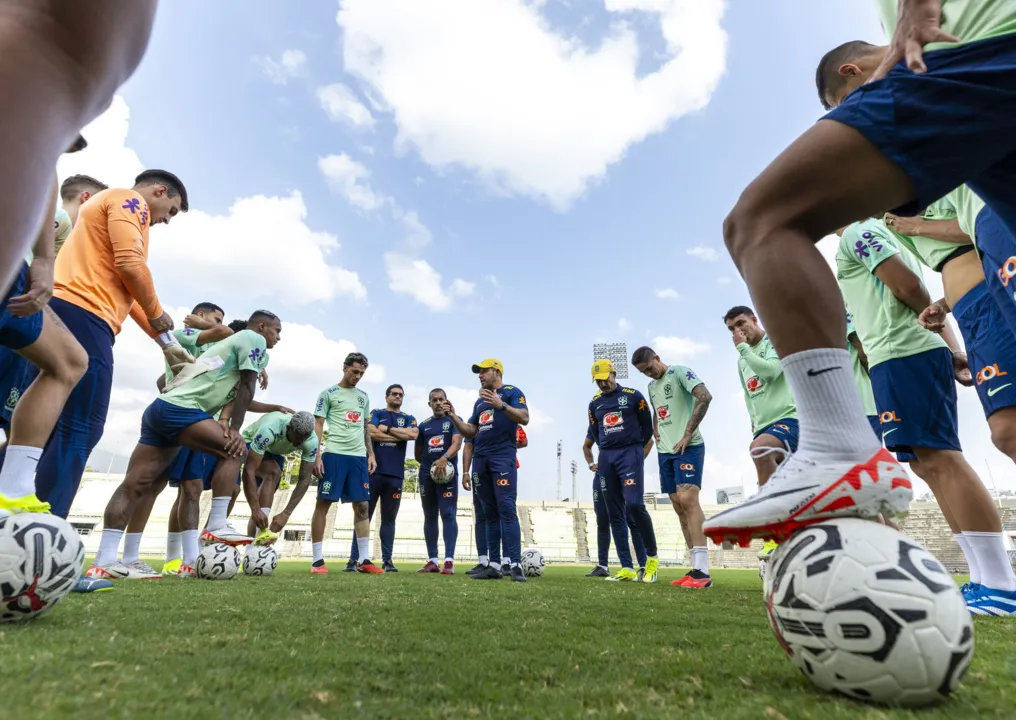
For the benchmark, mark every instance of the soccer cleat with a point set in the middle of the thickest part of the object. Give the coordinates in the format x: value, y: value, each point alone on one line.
x: 350, y: 566
x: 113, y: 571
x: 518, y: 575
x: 652, y: 567
x: 388, y: 567
x: 369, y: 568
x: 681, y: 580
x: 266, y: 538
x: 185, y: 571
x: 640, y: 574
x: 172, y: 566
x: 489, y: 572
x: 696, y: 580
x: 321, y: 569
x: 27, y: 504
x: 227, y: 535
x: 988, y: 601
x: 86, y: 584
x: 768, y: 548
x: 624, y: 575
x: 506, y: 568
x: 969, y: 588
x: 430, y: 567
x: 803, y: 492
x: 473, y: 570
x: 598, y: 571
x: 448, y: 567
x: 139, y: 570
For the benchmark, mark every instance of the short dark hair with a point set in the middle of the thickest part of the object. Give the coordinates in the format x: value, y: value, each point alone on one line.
x: 440, y: 390
x: 738, y: 310
x: 173, y: 184
x: 388, y: 390
x: 77, y: 184
x: 207, y: 307
x: 261, y: 316
x: 237, y: 325
x: 354, y: 358
x: 642, y: 355
x: 827, y: 76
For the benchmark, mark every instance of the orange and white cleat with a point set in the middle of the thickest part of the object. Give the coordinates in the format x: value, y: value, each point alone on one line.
x: 321, y: 569
x: 227, y: 535
x: 369, y: 568
x: 113, y: 571
x: 185, y: 571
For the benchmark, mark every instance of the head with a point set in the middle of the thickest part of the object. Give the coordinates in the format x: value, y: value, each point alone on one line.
x: 393, y: 397
x: 353, y: 368
x: 301, y: 427
x: 210, y: 311
x: 267, y: 325
x: 436, y: 400
x: 237, y: 325
x: 165, y: 194
x: 647, y: 362
x: 844, y: 69
x: 75, y: 192
x: 604, y: 375
x: 741, y: 317
x: 491, y: 373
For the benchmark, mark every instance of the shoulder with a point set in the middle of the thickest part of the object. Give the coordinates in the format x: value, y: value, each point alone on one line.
x: 330, y: 389
x: 630, y: 391
x: 596, y: 397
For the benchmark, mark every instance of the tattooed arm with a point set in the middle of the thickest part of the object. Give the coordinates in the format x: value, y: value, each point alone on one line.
x: 698, y: 411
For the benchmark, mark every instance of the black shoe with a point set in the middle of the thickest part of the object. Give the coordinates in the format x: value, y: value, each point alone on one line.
x: 475, y: 570
x: 506, y: 568
x: 518, y: 575
x: 389, y: 567
x: 598, y: 572
x: 489, y: 572
x: 350, y: 566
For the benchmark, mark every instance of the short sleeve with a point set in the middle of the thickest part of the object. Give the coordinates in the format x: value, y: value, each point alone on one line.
x: 251, y: 351
x: 261, y: 442
x: 412, y: 421
x: 868, y: 245
x: 474, y: 418
x: 322, y: 405
x: 516, y: 399
x: 375, y: 418
x: 687, y: 378
x: 309, y: 449
x: 455, y: 430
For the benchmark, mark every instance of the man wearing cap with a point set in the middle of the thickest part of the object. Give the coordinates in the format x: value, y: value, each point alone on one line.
x: 621, y: 423
x: 496, y: 417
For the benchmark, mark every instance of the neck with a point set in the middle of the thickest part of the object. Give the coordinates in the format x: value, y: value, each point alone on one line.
x: 344, y: 384
x: 392, y: 409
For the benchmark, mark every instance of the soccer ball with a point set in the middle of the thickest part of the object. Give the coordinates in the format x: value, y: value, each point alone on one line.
x: 863, y: 610
x: 532, y: 562
x: 217, y: 562
x: 260, y: 560
x: 41, y: 557
x: 448, y: 476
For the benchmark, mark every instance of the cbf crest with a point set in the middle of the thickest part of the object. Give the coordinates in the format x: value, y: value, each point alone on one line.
x: 446, y: 426
x: 622, y: 401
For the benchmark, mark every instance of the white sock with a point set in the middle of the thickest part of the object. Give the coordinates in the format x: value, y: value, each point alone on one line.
x: 17, y: 478
x: 975, y: 568
x: 992, y: 559
x: 108, y: 545
x: 217, y: 517
x: 268, y: 512
x: 515, y: 564
x: 434, y: 560
x: 700, y: 559
x: 174, y: 546
x: 319, y: 551
x: 603, y: 566
x: 828, y: 405
x: 363, y: 546
x: 484, y: 560
x: 131, y: 547
x: 448, y: 559
x: 190, y: 547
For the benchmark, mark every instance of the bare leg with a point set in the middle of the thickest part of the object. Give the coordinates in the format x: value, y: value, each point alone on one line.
x: 174, y: 514
x: 361, y: 521
x: 143, y: 507
x: 675, y: 501
x: 317, y: 523
x: 689, y: 497
x: 146, y: 465
x: 189, y: 499
x: 960, y: 493
x: 765, y: 465
x: 1003, y: 431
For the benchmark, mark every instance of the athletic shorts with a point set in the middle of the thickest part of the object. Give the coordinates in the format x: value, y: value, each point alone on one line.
x: 381, y: 483
x: 18, y: 332
x: 682, y: 469
x: 345, y: 479
x: 163, y: 422
x: 997, y: 248
x: 876, y: 426
x: 623, y: 467
x: 16, y: 374
x: 192, y: 465
x: 991, y: 348
x: 787, y: 431
x: 916, y: 401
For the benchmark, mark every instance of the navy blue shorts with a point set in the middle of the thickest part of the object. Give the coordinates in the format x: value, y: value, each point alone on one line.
x: 991, y: 348
x: 498, y: 472
x: 876, y: 426
x: 624, y: 467
x: 997, y: 247
x: 683, y: 469
x: 163, y: 422
x: 916, y: 400
x: 16, y: 374
x: 18, y: 332
x: 787, y: 431
x: 443, y: 495
x: 192, y: 465
x: 345, y: 479
x: 954, y: 124
x: 277, y: 459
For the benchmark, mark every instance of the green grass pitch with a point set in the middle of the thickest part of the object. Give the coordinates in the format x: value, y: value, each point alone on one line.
x: 430, y: 646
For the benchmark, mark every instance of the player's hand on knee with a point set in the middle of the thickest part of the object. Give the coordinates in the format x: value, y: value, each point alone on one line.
x: 40, y: 289
x: 235, y: 444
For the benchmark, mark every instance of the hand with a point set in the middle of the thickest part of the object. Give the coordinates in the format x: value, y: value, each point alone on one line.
x: 263, y: 379
x: 259, y: 518
x: 284, y: 409
x: 38, y: 289
x: 466, y: 480
x: 682, y: 445
x: 739, y: 336
x: 920, y: 23
x: 962, y: 370
x: 439, y: 464
x: 595, y: 467
x: 319, y: 468
x: 176, y: 356
x: 492, y: 399
x: 656, y: 437
x: 382, y: 428
x: 371, y: 464
x: 279, y: 521
x: 235, y: 445
x: 909, y: 226
x: 161, y: 324
x: 197, y: 323
x: 449, y: 408
x: 933, y: 317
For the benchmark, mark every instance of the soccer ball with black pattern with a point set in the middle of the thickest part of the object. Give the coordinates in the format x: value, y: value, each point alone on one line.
x: 532, y: 562
x: 217, y: 562
x: 259, y: 560
x: 864, y: 610
x: 41, y: 557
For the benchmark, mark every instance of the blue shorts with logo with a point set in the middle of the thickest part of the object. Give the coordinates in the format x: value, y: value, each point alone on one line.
x: 682, y: 469
x: 787, y: 431
x: 916, y: 400
x: 952, y: 125
x: 991, y: 348
x: 997, y: 248
x: 623, y: 468
x: 346, y: 478
x: 192, y: 465
x: 163, y: 422
x: 876, y: 426
x: 277, y: 459
x: 18, y: 332
x: 16, y: 374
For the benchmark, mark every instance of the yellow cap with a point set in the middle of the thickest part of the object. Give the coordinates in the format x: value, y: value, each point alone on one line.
x: 602, y: 369
x: 488, y: 363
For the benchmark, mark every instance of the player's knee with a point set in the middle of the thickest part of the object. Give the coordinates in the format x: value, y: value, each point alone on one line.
x: 1003, y: 437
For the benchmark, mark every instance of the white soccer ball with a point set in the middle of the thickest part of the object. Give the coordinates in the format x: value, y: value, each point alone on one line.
x: 445, y: 477
x: 217, y: 562
x: 41, y: 557
x: 260, y: 560
x: 532, y: 562
x: 864, y: 610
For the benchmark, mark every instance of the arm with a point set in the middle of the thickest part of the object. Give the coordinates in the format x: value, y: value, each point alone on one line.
x: 131, y: 266
x: 241, y: 403
x: 319, y: 431
x: 371, y: 460
x: 942, y: 230
x: 518, y: 415
x: 455, y: 446
x: 418, y: 449
x: 467, y: 430
x: 698, y: 411
x: 407, y: 433
x: 280, y: 520
x: 587, y: 453
x: 645, y: 422
x: 467, y: 462
x: 379, y: 436
x: 39, y: 288
x: 767, y: 369
x: 260, y: 407
x: 861, y: 355
x: 215, y: 334
x: 902, y: 282
x: 251, y: 466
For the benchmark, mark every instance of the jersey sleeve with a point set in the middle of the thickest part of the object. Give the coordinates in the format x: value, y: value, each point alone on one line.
x: 591, y: 427
x: 322, y: 405
x: 474, y: 418
x: 251, y: 351
x: 375, y: 418
x: 412, y: 421
x: 645, y: 416
x: 869, y: 245
x: 516, y: 399
x: 308, y: 453
x: 188, y: 338
x: 688, y: 379
x: 455, y: 430
x: 62, y: 229
x: 126, y: 221
x: 260, y: 442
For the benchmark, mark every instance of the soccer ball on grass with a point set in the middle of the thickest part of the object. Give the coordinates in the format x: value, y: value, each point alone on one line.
x: 260, y: 560
x: 41, y: 557
x: 217, y: 562
x: 532, y: 562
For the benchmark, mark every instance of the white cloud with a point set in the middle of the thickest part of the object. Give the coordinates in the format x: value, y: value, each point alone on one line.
x: 415, y: 277
x: 702, y: 252
x: 107, y: 157
x: 545, y: 122
x: 349, y: 178
x: 417, y: 235
x: 341, y: 105
x: 667, y: 294
x: 623, y: 325
x: 291, y: 64
x: 671, y: 348
x: 461, y: 288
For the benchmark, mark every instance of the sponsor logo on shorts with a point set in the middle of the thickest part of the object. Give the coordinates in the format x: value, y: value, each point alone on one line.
x: 503, y: 482
x: 629, y: 482
x: 448, y: 494
x: 687, y: 466
x: 352, y: 416
x: 436, y: 441
x: 662, y: 412
x: 889, y: 416
x: 1008, y: 271
x: 781, y: 426
x: 366, y: 486
x: 986, y: 374
x: 995, y: 391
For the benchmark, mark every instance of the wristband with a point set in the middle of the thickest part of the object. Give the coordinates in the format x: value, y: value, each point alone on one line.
x: 166, y: 339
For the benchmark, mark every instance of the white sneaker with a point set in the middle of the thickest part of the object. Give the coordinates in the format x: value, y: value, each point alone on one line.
x: 139, y: 570
x: 803, y: 492
x: 114, y: 571
x: 226, y: 534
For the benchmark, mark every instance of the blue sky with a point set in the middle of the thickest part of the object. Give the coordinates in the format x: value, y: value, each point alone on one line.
x: 559, y: 165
